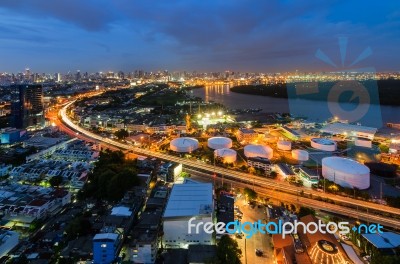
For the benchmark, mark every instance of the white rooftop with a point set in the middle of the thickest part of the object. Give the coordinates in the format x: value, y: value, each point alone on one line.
x: 339, y: 128
x: 190, y: 200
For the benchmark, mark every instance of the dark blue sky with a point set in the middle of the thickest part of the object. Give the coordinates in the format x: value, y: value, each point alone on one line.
x: 239, y: 35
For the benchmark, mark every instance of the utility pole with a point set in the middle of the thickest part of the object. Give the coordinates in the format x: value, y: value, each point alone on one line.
x: 215, y: 175
x: 245, y: 251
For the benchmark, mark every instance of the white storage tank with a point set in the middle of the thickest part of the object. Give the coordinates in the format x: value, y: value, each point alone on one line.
x: 219, y: 142
x: 284, y: 145
x: 299, y: 154
x: 324, y: 144
x: 346, y: 172
x: 227, y: 155
x: 184, y: 144
x: 262, y: 151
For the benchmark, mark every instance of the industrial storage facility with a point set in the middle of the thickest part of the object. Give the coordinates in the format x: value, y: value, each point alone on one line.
x: 184, y: 144
x: 227, y: 155
x: 300, y: 155
x: 284, y: 145
x: 258, y: 151
x: 323, y: 144
x: 219, y: 142
x: 346, y: 172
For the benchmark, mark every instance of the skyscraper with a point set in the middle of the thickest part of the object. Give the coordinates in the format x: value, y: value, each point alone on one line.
x: 27, y: 105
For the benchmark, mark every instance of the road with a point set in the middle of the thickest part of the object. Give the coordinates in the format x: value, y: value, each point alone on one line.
x: 262, y: 185
x: 258, y: 240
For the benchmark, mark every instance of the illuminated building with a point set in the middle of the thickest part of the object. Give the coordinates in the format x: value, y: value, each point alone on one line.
x: 186, y: 201
x: 105, y: 248
x: 321, y: 248
x: 27, y: 106
x: 245, y: 135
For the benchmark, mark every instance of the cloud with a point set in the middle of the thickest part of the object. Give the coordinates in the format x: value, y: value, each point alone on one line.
x: 207, y: 34
x: 91, y: 15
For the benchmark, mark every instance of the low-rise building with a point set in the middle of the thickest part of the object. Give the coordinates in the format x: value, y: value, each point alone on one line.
x: 245, y: 135
x: 285, y: 170
x: 170, y: 172
x: 105, y: 248
x: 201, y: 254
x: 22, y: 204
x: 387, y: 243
x: 308, y: 176
x: 350, y: 130
x: 8, y: 241
x: 5, y: 169
x: 259, y: 163
x: 11, y: 135
x: 290, y: 133
x: 145, y: 237
x: 187, y: 201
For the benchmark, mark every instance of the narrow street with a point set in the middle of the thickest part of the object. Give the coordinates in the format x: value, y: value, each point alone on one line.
x: 258, y: 240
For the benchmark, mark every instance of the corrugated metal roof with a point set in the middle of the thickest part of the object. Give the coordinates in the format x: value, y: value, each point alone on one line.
x: 190, y: 200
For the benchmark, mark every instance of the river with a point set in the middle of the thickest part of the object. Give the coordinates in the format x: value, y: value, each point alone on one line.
x: 377, y: 115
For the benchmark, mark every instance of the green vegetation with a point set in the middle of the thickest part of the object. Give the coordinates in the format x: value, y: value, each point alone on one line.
x: 111, y: 177
x: 385, y: 259
x: 18, y: 158
x: 56, y: 181
x: 79, y: 226
x: 273, y: 174
x: 294, y: 181
x: 303, y: 211
x: 185, y: 174
x: 162, y: 97
x: 121, y: 134
x: 331, y: 187
x: 273, y: 90
x: 382, y: 169
x: 393, y: 201
x: 388, y: 90
x: 228, y: 251
x: 384, y: 148
x: 250, y: 194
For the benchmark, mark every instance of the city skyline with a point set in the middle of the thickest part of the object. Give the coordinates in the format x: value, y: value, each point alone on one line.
x: 203, y: 36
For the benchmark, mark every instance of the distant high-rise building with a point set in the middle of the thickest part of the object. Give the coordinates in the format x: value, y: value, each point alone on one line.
x: 78, y: 75
x: 27, y: 105
x: 58, y: 77
x: 27, y: 75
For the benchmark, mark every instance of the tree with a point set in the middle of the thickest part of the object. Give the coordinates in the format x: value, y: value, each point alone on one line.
x: 250, y: 194
x: 382, y: 259
x: 273, y: 174
x: 306, y: 211
x: 384, y: 148
x: 228, y: 250
x: 184, y: 174
x: 80, y: 226
x: 55, y: 181
x: 111, y: 177
x: 121, y: 134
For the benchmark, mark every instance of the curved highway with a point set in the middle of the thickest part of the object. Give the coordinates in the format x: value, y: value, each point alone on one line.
x: 249, y: 179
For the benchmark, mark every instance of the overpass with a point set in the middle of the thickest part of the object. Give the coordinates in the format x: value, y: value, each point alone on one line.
x: 339, y: 204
